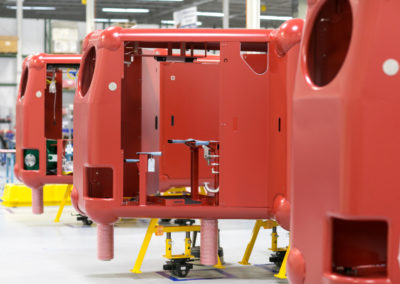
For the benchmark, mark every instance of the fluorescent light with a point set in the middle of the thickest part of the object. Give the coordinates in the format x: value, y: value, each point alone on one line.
x: 101, y: 20
x: 210, y: 14
x: 125, y: 10
x: 33, y: 8
x: 168, y: 22
x: 164, y: 1
x: 275, y: 18
x: 172, y: 22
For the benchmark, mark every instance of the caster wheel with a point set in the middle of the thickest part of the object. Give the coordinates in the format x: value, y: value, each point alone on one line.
x: 181, y: 271
x: 88, y: 222
x: 277, y: 258
x: 178, y: 267
x: 84, y: 219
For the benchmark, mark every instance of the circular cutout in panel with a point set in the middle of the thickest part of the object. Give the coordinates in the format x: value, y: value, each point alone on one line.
x: 88, y: 67
x: 329, y: 41
x: 24, y: 81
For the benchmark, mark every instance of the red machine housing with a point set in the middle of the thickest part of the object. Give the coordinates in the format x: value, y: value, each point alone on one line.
x: 133, y: 99
x: 38, y: 119
x: 345, y: 219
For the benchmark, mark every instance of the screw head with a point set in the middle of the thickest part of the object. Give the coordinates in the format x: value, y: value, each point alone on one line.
x: 112, y: 86
x: 391, y: 67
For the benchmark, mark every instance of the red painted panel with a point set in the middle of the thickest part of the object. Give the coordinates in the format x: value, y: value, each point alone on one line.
x: 189, y: 101
x: 345, y: 225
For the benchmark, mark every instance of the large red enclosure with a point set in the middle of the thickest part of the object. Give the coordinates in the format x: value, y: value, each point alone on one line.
x: 345, y: 216
x: 158, y: 109
x: 42, y: 150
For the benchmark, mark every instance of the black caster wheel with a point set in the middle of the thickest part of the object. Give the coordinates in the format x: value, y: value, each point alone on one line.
x: 84, y: 219
x: 88, y: 222
x: 277, y: 258
x: 178, y: 267
x: 182, y: 271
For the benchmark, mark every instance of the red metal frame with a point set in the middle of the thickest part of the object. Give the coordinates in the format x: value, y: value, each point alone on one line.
x: 345, y: 220
x: 239, y: 101
x: 31, y: 123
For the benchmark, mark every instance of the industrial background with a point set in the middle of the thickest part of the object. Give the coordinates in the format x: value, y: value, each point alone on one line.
x: 66, y: 250
x: 38, y: 24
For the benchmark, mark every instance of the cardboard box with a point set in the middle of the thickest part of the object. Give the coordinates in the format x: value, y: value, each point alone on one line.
x: 8, y: 44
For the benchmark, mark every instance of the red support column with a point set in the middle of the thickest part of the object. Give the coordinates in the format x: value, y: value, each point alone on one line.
x: 142, y: 179
x: 194, y: 172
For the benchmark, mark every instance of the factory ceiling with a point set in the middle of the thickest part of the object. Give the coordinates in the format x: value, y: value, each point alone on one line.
x: 159, y: 10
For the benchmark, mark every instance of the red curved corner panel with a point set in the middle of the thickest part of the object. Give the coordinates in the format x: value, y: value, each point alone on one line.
x: 345, y: 194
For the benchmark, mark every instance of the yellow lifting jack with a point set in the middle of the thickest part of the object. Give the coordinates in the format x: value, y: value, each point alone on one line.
x: 280, y: 255
x: 178, y: 264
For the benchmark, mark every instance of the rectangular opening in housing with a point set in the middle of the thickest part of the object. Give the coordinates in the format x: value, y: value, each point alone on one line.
x: 131, y: 125
x: 100, y: 182
x: 53, y: 104
x: 359, y: 248
x: 51, y: 157
x: 256, y: 55
x: 187, y: 52
x: 59, y: 99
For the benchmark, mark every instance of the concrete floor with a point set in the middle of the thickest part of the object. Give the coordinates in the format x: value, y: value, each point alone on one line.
x: 33, y: 249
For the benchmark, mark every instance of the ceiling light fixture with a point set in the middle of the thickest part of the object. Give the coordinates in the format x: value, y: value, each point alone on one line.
x: 101, y: 20
x: 33, y: 8
x: 163, y: 0
x: 168, y: 22
x: 172, y: 22
x: 275, y: 18
x: 125, y: 10
x: 210, y: 14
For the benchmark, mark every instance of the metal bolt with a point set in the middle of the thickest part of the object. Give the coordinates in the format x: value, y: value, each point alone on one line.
x: 112, y: 86
x: 391, y: 67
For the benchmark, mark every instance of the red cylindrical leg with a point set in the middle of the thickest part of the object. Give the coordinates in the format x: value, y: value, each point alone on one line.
x: 37, y: 200
x: 105, y: 241
x: 209, y: 241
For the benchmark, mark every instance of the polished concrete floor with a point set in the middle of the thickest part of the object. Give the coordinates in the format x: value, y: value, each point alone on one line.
x: 34, y: 249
